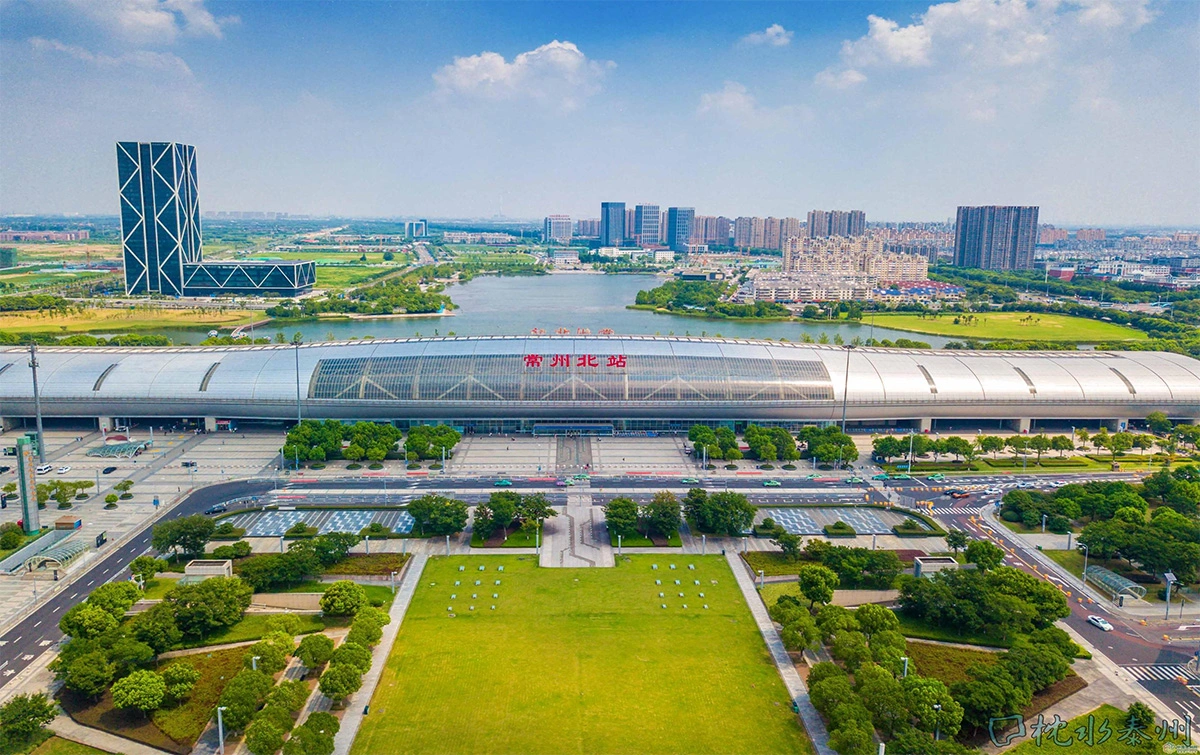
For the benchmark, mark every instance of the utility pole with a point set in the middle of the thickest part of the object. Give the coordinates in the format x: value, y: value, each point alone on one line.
x: 299, y: 418
x: 37, y: 403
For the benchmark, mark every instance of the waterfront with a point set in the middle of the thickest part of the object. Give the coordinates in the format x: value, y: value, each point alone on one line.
x: 516, y: 305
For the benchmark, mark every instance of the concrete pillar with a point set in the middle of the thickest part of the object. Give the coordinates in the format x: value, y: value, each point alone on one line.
x: 924, y: 425
x: 105, y: 424
x: 210, y: 424
x: 1020, y: 425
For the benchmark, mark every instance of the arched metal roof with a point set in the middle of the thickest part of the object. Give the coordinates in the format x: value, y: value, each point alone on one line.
x: 58, y: 556
x: 605, y: 376
x: 1114, y: 583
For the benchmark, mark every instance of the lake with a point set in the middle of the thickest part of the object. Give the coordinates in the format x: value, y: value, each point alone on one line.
x: 492, y: 305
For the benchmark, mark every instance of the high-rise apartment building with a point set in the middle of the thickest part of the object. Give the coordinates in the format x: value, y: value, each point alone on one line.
x: 995, y: 238
x: 1090, y: 234
x: 712, y: 230
x: 612, y: 223
x: 160, y: 214
x: 556, y: 229
x: 646, y: 224
x: 679, y: 227
x: 1048, y: 234
x: 836, y: 223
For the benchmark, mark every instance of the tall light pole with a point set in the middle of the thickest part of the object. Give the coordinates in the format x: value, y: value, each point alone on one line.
x: 937, y: 721
x: 296, y: 345
x: 37, y: 403
x: 220, y: 730
x: 846, y: 384
x: 1085, y: 556
x: 254, y: 662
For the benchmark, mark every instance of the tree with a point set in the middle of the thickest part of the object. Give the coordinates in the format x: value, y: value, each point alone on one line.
x: 25, y: 715
x: 147, y: 566
x: 504, y: 508
x: 115, y: 597
x: 621, y: 515
x: 340, y: 681
x: 143, y: 690
x: 86, y: 621
x: 263, y: 737
x: 89, y: 674
x: 353, y: 654
x: 989, y: 692
x: 187, y: 534
x: 268, y: 656
x: 984, y: 554
x: 156, y: 627
x: 242, y: 696
x: 438, y: 515
x: 1119, y: 443
x: 209, y: 605
x: 343, y: 598
x: 663, y: 513
x: 956, y: 540
x: 314, y: 650
x: 180, y: 677
x: 817, y: 583
x: 1062, y: 444
x: 11, y: 538
x: 883, y: 698
x: 535, y: 508
x: 850, y: 648
x: 990, y: 444
x: 923, y: 694
x: 831, y: 692
x: 364, y: 631
x: 790, y: 545
x: 1139, y: 714
x: 484, y: 522
x: 728, y: 513
x: 873, y: 619
x: 1158, y: 423
x: 1039, y: 444
x: 128, y: 653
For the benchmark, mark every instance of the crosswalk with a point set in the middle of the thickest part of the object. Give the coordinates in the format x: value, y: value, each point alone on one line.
x: 1161, y: 672
x: 957, y: 509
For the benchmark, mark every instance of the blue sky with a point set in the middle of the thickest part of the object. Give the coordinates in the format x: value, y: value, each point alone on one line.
x: 1088, y: 108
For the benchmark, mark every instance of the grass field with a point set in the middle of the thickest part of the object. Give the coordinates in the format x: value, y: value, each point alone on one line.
x: 342, y: 276
x: 120, y: 320
x: 773, y: 563
x: 60, y: 746
x: 910, y: 627
x: 641, y: 541
x: 379, y: 595
x: 252, y: 627
x: 945, y: 662
x: 579, y: 661
x: 1004, y: 325
x: 157, y: 589
x: 1106, y: 717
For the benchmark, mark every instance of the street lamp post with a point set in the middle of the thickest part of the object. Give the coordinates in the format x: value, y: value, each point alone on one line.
x: 393, y: 583
x: 220, y: 730
x: 846, y: 384
x: 937, y: 721
x: 1044, y: 523
x: 905, y: 672
x: 1169, y: 578
x: 1085, y: 557
x: 296, y: 343
x: 254, y: 662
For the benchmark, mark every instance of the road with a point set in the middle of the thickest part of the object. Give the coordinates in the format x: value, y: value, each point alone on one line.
x: 23, y: 643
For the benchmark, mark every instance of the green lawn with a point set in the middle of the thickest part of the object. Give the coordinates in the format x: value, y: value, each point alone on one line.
x: 184, y: 723
x: 252, y: 627
x: 580, y: 661
x: 157, y: 589
x: 773, y: 563
x: 944, y: 662
x: 378, y: 594
x: 1104, y: 717
x: 918, y: 628
x: 641, y: 541
x: 1072, y: 561
x: 518, y: 538
x: 1014, y: 325
x: 60, y: 746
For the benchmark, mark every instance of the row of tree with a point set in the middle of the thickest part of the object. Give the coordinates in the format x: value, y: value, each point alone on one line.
x: 505, y: 509
x: 661, y: 515
x: 723, y: 513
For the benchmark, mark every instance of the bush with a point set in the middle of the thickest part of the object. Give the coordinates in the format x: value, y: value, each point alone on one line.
x: 240, y: 549
x: 353, y: 465
x: 110, y: 506
x: 839, y: 529
x: 375, y: 466
x: 343, y: 598
x: 126, y: 496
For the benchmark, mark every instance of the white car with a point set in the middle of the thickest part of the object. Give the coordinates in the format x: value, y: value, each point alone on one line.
x: 1101, y: 622
x: 993, y: 491
x: 64, y: 470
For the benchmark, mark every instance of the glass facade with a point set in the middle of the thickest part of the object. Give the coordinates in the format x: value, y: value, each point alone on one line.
x: 508, y: 378
x: 285, y: 278
x: 160, y: 214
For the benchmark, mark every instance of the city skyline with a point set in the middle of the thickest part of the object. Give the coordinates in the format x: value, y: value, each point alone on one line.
x: 773, y: 109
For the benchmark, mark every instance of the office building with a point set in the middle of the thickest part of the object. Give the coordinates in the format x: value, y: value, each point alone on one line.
x: 646, y: 224
x: 556, y: 229
x: 836, y: 223
x: 161, y: 238
x: 995, y: 238
x: 612, y: 223
x: 679, y: 227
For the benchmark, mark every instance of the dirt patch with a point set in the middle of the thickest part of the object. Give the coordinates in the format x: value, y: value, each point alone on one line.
x: 1055, y: 693
x: 128, y: 723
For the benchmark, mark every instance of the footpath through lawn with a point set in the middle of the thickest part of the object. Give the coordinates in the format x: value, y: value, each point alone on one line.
x: 579, y: 661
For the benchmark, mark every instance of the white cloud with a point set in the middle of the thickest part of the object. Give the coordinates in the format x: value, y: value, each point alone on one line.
x: 557, y: 73
x: 774, y: 36
x: 995, y: 49
x: 155, y: 21
x: 840, y: 79
x: 144, y: 59
x: 735, y: 105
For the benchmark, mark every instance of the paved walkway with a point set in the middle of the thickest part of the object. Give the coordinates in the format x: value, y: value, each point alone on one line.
x: 787, y: 670
x: 579, y: 536
x: 355, y: 704
x: 66, y: 728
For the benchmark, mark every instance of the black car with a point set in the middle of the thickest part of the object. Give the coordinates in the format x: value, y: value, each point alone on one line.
x: 5, y: 470
x: 187, y: 464
x: 108, y: 470
x: 218, y: 508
